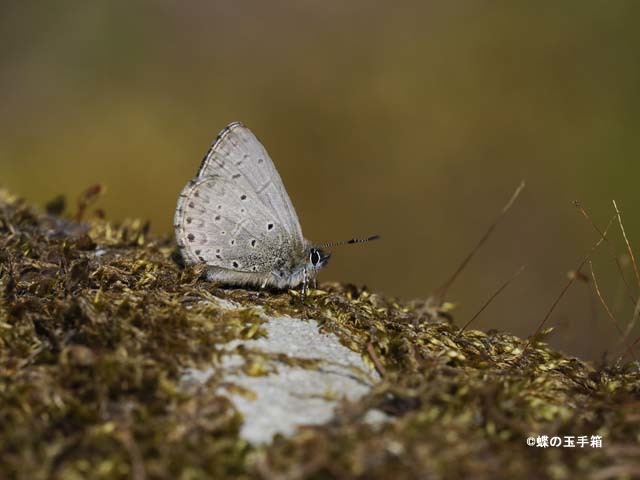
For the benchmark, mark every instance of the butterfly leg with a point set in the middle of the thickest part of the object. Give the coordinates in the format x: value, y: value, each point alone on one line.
x: 305, y: 283
x: 258, y: 293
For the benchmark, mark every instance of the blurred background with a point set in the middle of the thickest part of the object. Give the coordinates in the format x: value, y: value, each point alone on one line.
x: 413, y: 120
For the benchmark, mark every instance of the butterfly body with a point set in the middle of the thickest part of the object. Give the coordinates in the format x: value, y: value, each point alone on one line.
x: 236, y: 217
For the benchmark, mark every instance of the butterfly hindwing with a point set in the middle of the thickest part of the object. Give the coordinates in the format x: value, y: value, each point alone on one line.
x: 223, y: 224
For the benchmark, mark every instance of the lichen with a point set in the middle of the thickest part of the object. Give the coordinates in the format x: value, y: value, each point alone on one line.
x: 98, y: 322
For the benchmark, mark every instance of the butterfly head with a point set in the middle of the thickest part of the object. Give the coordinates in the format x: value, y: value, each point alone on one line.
x: 317, y: 259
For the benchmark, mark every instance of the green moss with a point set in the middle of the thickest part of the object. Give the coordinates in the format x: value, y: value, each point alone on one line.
x: 97, y: 322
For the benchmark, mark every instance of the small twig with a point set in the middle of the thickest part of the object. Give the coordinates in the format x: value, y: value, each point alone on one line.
x: 376, y: 360
x: 579, y: 206
x: 635, y: 302
x: 86, y: 198
x: 605, y: 306
x: 572, y: 279
x: 634, y: 320
x: 596, y: 287
x: 442, y: 291
x: 632, y: 346
x: 486, y: 304
x: 624, y: 234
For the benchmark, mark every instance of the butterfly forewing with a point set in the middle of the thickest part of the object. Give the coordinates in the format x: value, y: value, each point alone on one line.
x: 240, y: 158
x: 223, y: 224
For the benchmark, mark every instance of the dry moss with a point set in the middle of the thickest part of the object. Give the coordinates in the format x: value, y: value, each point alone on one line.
x: 98, y: 321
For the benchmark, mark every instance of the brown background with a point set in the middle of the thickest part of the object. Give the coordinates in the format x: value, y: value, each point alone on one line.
x: 415, y: 121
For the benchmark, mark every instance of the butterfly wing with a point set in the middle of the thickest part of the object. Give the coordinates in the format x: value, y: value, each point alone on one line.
x: 237, y: 156
x: 223, y: 224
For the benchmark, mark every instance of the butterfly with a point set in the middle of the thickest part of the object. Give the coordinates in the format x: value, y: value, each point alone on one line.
x: 236, y: 217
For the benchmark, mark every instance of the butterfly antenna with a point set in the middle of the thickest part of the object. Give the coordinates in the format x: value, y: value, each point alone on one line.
x: 349, y: 242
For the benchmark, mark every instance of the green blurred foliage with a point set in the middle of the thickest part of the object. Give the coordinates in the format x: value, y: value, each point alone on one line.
x: 414, y: 120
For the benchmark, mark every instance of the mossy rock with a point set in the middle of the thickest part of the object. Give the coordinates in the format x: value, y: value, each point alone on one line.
x: 98, y: 324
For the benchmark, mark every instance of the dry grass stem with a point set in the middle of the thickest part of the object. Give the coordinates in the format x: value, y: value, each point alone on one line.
x: 441, y: 292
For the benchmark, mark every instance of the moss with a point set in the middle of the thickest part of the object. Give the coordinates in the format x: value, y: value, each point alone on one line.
x: 97, y: 323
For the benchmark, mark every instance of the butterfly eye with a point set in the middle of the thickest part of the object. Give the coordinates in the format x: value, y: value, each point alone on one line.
x: 314, y: 257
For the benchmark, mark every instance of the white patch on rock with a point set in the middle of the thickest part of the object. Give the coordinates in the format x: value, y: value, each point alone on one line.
x: 293, y: 395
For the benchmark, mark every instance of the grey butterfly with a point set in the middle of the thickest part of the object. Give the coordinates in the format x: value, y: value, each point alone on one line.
x: 236, y: 217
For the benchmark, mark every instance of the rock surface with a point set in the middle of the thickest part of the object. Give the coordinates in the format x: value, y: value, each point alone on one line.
x: 290, y: 395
